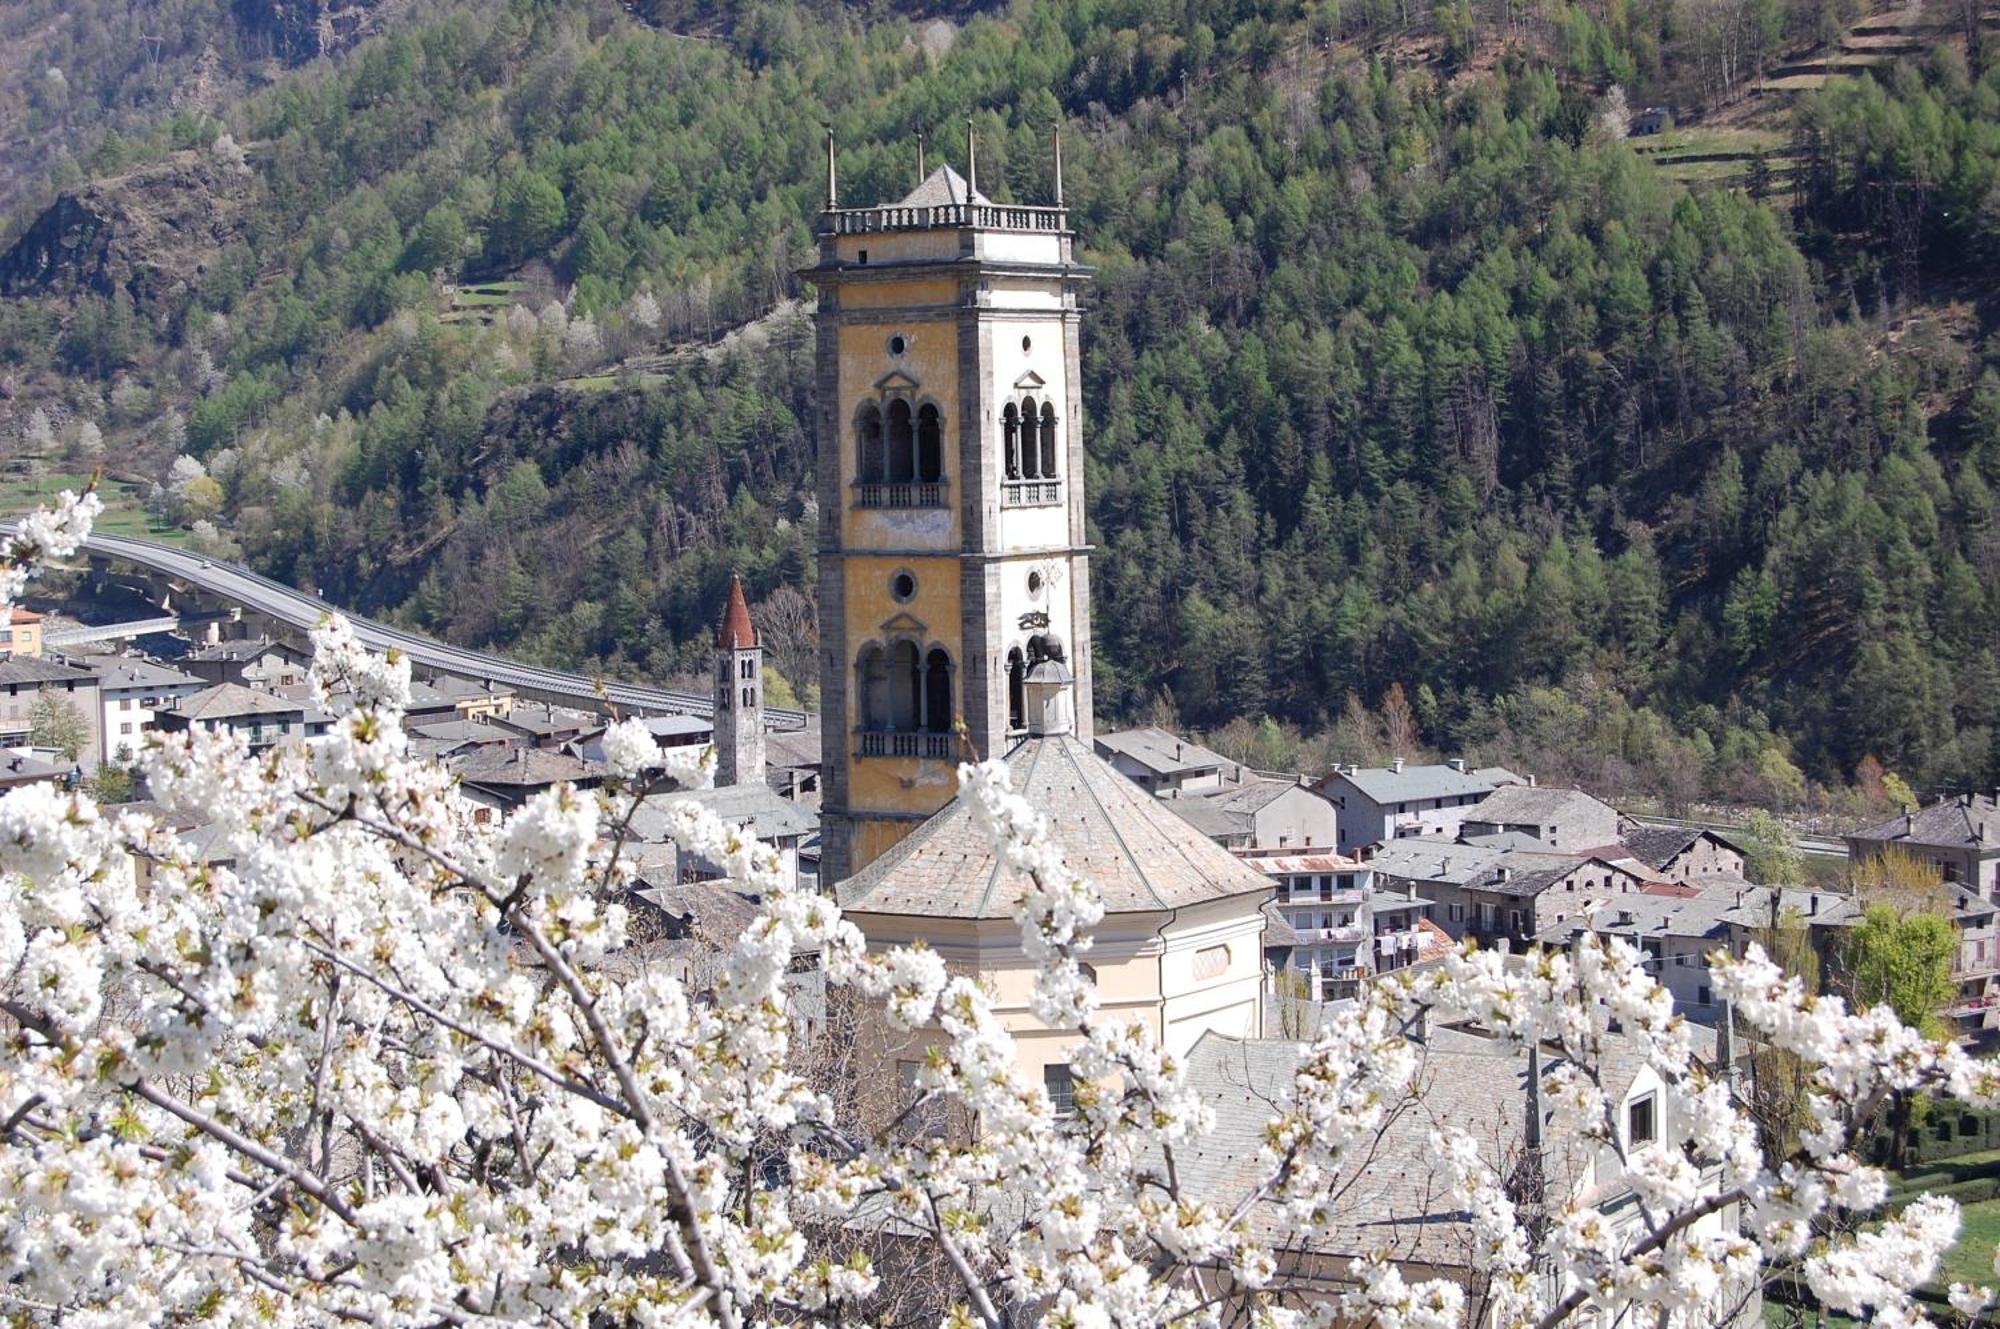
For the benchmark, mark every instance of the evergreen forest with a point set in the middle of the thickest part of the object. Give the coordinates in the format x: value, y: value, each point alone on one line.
x: 1426, y: 412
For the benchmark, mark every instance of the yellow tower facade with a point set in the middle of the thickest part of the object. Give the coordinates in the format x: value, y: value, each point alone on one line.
x: 952, y: 555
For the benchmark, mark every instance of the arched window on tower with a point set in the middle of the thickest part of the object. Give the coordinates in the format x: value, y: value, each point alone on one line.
x: 869, y: 459
x: 1048, y: 440
x: 1030, y: 458
x: 930, y: 445
x: 906, y: 687
x: 1010, y: 431
x: 872, y: 675
x: 902, y: 445
x: 1017, y: 704
x: 937, y: 691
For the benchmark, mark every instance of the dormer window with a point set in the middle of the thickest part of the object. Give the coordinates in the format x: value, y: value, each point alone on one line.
x: 1640, y: 1126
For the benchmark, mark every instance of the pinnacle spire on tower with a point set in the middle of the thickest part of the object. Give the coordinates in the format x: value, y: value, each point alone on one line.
x: 737, y: 632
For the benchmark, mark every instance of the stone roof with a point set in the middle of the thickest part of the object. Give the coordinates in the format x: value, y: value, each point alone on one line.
x: 1395, y: 1194
x: 1214, y: 822
x: 523, y: 768
x: 676, y: 726
x: 1141, y: 856
x: 1531, y: 804
x: 1750, y: 906
x: 769, y: 815
x: 737, y: 632
x: 792, y: 748
x: 32, y: 671
x: 1968, y: 820
x: 131, y: 672
x: 1386, y: 784
x: 229, y: 701
x: 1160, y: 752
x: 941, y: 188
x: 462, y: 731
x: 1252, y: 794
x: 709, y: 909
x: 1702, y: 916
x: 449, y: 687
x: 18, y: 769
x: 1419, y: 859
x: 1505, y: 840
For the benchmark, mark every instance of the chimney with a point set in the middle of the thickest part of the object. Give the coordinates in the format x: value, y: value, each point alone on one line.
x: 1397, y: 766
x: 1503, y: 873
x: 1457, y: 764
x: 1531, y: 781
x: 1423, y: 1031
x: 1812, y: 905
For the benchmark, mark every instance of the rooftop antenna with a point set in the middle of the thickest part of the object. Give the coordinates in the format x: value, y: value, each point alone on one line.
x: 832, y: 191
x: 1056, y: 136
x: 971, y: 162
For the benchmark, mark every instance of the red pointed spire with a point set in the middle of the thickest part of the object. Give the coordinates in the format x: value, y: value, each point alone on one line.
x: 738, y: 633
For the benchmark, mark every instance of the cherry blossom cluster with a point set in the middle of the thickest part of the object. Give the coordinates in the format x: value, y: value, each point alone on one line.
x: 379, y: 1054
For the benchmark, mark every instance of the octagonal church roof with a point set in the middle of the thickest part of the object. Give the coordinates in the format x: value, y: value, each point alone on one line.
x: 1142, y: 857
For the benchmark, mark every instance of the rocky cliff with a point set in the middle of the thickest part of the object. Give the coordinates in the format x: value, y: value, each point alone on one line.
x: 296, y: 31
x: 151, y: 232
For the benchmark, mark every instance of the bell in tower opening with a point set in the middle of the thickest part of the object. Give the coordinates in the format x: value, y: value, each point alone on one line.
x: 950, y: 492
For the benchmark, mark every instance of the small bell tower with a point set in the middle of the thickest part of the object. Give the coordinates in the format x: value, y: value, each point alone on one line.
x: 739, y: 694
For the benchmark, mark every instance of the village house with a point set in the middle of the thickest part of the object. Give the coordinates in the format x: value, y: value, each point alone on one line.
x: 1164, y: 764
x: 1395, y: 1194
x: 1678, y: 932
x: 263, y: 718
x: 1378, y: 804
x: 1960, y: 835
x: 1496, y: 895
x: 1564, y: 820
x: 22, y: 634
x: 1683, y: 853
x: 24, y: 679
x: 131, y: 692
x: 1261, y: 813
x: 756, y: 808
x: 543, y: 724
x: 503, y: 778
x: 471, y: 699
x: 1329, y: 923
x: 259, y: 663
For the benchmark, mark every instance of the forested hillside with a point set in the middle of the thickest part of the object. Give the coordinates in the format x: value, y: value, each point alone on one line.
x: 1411, y: 386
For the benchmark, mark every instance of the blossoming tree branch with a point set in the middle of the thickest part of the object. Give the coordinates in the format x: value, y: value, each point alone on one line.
x: 387, y: 1067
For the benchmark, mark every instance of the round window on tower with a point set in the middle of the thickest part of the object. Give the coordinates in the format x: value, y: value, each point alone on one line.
x: 898, y: 344
x: 1034, y: 585
x: 903, y: 585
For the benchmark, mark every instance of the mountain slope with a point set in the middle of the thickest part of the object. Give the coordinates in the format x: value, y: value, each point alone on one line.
x: 1405, y: 373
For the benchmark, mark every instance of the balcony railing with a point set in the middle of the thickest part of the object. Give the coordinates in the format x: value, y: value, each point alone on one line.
x: 1030, y: 493
x: 1314, y: 896
x: 901, y: 494
x: 986, y: 216
x: 907, y: 743
x: 1346, y: 932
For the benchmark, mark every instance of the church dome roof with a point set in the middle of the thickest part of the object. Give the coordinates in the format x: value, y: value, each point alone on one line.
x: 1141, y: 857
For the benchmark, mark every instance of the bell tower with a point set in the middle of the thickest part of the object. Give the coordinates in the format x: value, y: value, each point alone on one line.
x: 739, y: 694
x: 952, y: 555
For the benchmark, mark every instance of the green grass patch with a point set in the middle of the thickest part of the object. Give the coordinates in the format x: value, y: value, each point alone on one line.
x: 480, y: 299
x: 124, y: 503
x: 1970, y: 1260
x: 1700, y: 140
